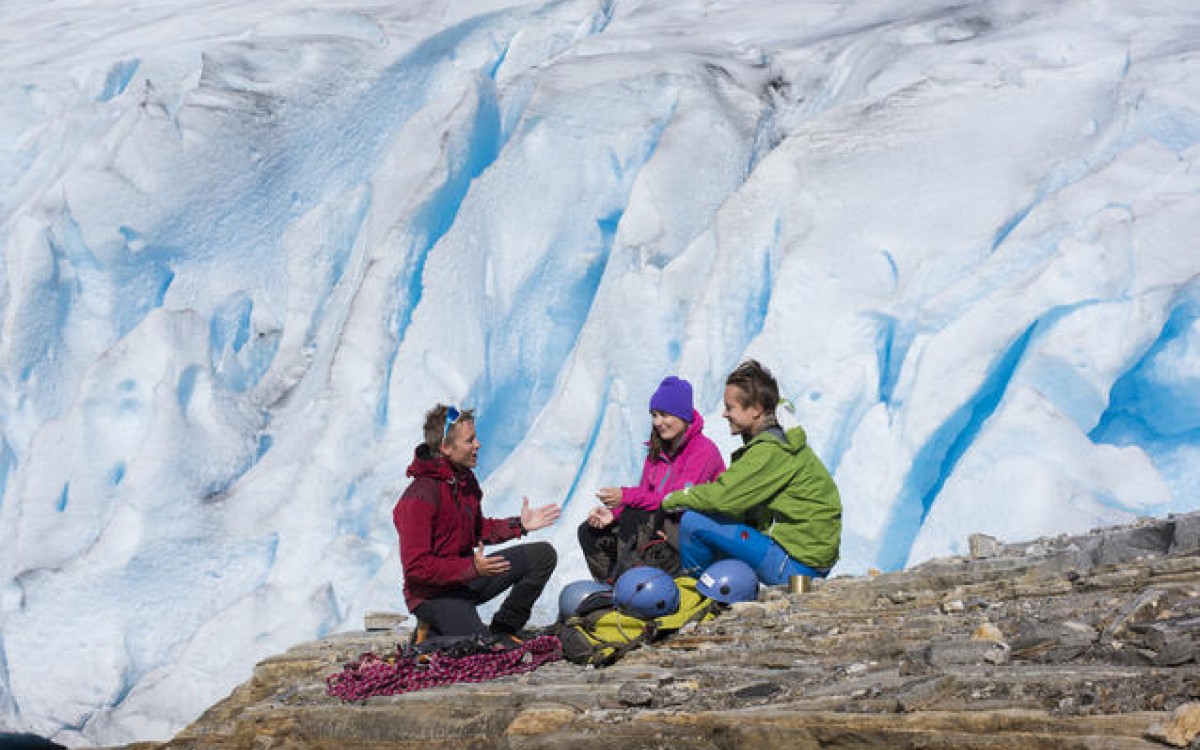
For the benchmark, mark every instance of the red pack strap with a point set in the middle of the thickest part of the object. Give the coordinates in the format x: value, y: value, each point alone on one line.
x: 398, y: 673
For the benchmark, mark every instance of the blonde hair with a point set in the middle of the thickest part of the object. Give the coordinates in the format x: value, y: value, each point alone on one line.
x: 436, y: 429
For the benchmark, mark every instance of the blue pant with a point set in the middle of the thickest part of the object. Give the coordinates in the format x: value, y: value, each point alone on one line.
x: 704, y: 539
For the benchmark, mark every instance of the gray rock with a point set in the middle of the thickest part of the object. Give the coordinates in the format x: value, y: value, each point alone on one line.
x: 1150, y: 539
x: 1053, y: 642
x: 1186, y: 539
x: 1142, y: 608
x: 983, y: 546
x: 942, y: 653
x: 1103, y: 628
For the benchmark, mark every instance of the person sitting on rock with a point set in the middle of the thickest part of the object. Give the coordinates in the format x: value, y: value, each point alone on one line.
x: 776, y: 507
x: 443, y: 531
x: 629, y: 527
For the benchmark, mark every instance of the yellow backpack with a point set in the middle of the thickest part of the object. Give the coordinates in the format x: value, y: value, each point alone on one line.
x: 602, y: 637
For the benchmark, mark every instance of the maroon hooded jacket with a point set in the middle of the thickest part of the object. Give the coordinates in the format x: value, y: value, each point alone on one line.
x: 440, y: 523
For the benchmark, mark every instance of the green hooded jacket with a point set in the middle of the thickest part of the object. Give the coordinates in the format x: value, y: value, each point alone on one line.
x: 780, y: 488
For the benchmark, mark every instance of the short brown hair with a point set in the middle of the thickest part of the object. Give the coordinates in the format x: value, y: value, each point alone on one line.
x: 757, y: 385
x: 435, y: 424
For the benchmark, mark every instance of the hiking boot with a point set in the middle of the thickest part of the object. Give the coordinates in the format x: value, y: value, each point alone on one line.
x: 420, y: 634
x: 506, y: 641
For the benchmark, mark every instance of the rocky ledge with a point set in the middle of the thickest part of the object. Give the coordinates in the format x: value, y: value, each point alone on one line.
x: 1089, y: 641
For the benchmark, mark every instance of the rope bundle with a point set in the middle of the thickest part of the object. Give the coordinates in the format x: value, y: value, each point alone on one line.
x: 403, y: 673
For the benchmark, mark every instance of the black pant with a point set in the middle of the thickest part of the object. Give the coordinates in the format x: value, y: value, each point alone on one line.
x: 633, y: 540
x: 454, y: 613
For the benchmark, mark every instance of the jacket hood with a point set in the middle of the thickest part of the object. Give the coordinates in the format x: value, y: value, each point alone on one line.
x: 793, y: 440
x: 429, y: 465
x: 797, y: 439
x: 693, y: 429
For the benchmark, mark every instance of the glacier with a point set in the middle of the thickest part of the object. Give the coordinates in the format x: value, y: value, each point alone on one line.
x: 246, y: 246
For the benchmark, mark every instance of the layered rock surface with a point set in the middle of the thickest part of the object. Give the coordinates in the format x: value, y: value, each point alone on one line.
x: 1088, y: 641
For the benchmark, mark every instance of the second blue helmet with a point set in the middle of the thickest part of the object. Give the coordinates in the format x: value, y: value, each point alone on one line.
x: 729, y: 581
x: 646, y: 592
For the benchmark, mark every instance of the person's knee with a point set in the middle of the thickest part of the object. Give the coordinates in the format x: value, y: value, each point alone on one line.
x: 586, y: 535
x: 542, y: 556
x: 550, y: 554
x: 691, y: 522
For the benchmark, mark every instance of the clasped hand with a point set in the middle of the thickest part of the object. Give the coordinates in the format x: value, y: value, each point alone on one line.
x: 599, y: 517
x: 490, y: 565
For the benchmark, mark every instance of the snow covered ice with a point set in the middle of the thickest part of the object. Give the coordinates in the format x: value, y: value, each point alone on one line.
x: 246, y: 246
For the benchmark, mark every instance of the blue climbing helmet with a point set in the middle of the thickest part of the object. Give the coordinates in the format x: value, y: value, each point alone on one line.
x: 729, y: 581
x: 646, y: 592
x: 581, y: 597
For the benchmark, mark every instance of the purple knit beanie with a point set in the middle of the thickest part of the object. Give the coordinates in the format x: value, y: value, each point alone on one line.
x: 674, y: 396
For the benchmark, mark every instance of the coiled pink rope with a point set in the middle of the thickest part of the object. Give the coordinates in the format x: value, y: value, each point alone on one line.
x: 400, y: 673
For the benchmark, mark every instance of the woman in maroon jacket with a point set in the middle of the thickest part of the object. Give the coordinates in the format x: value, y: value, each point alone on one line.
x: 443, y: 532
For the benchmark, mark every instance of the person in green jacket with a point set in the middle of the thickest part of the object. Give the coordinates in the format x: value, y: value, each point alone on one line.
x: 775, y: 508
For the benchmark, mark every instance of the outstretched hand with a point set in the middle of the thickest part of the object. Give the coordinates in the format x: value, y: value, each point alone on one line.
x: 533, y: 519
x: 490, y: 565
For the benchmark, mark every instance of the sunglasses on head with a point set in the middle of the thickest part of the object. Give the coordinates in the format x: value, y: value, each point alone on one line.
x: 452, y: 416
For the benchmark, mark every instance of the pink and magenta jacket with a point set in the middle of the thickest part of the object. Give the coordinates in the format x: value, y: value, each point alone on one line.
x: 696, y: 461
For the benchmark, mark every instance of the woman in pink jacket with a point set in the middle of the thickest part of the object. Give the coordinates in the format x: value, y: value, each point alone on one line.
x: 630, y: 527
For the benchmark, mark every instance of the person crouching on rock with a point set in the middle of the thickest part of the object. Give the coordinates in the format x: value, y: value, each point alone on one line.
x: 629, y: 527
x: 442, y: 529
x: 775, y: 508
